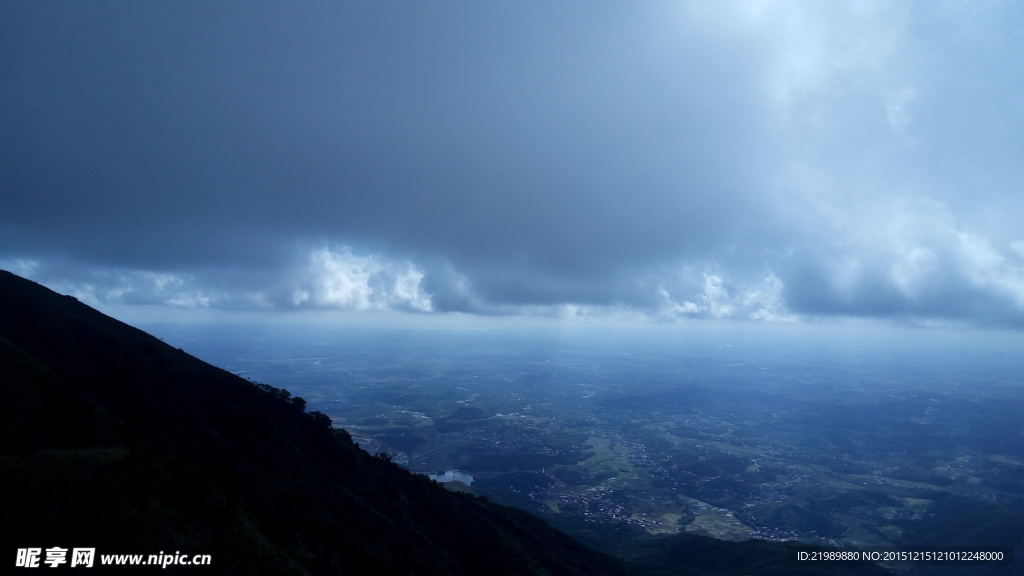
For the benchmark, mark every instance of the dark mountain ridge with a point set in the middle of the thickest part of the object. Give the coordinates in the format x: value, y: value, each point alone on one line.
x: 113, y: 440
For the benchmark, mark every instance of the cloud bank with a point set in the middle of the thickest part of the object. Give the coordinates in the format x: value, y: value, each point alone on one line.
x: 763, y: 161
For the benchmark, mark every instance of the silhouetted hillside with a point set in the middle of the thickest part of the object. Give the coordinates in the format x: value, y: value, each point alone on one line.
x: 112, y: 439
x: 115, y: 441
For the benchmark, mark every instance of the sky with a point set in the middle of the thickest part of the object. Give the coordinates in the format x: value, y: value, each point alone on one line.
x: 750, y: 161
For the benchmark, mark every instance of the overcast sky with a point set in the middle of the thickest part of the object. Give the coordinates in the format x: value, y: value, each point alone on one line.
x: 751, y: 160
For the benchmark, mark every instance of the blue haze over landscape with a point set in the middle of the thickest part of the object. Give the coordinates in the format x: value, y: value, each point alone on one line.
x: 777, y: 434
x: 747, y: 269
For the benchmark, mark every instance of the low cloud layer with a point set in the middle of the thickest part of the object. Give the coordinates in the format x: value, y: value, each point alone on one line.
x: 913, y: 261
x: 343, y: 280
x: 742, y: 160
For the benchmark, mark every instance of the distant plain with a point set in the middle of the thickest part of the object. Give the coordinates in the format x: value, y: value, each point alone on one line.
x: 820, y: 434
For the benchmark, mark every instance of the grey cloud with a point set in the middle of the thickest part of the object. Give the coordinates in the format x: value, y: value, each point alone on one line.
x: 522, y: 158
x: 543, y: 152
x: 911, y: 261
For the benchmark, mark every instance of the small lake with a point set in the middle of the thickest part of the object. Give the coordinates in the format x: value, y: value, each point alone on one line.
x: 451, y: 476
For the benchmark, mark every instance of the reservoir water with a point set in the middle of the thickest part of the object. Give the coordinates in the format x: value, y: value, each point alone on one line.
x: 451, y: 476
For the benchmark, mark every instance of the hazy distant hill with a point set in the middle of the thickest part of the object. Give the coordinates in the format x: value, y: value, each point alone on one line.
x: 113, y: 440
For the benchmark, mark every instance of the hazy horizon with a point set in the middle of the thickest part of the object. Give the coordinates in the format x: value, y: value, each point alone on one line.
x: 771, y: 432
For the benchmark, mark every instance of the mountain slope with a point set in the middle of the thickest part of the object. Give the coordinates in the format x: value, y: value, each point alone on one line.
x: 112, y: 439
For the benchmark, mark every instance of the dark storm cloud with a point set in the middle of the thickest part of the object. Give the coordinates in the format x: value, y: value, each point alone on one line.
x: 495, y: 158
